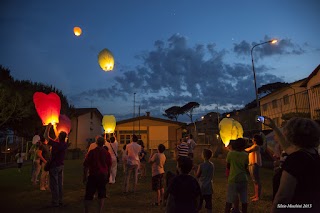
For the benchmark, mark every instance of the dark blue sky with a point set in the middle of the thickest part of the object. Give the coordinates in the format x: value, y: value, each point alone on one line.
x: 168, y: 52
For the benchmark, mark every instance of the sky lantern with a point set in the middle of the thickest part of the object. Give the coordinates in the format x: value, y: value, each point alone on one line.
x: 106, y: 60
x: 47, y: 107
x: 64, y: 124
x: 230, y: 129
x: 77, y: 31
x: 109, y: 123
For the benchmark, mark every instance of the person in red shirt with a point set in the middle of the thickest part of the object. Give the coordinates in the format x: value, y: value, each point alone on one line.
x: 98, y: 163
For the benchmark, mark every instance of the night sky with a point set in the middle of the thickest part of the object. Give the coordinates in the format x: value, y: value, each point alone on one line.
x: 168, y: 52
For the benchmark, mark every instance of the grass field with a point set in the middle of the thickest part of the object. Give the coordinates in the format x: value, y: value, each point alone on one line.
x: 18, y: 194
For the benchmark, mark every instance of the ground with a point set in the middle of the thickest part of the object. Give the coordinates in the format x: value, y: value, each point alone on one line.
x: 18, y: 194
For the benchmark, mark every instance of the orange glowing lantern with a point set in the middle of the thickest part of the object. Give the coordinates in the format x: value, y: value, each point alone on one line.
x: 77, y: 31
x: 64, y: 124
x: 109, y: 123
x: 230, y: 129
x: 47, y: 106
x: 106, y: 60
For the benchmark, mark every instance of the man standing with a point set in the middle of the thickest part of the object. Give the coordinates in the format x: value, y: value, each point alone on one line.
x: 98, y: 162
x: 133, y: 162
x: 59, y: 147
x: 192, y: 145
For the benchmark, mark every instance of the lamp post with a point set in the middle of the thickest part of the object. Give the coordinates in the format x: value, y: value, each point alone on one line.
x: 134, y: 111
x: 254, y: 72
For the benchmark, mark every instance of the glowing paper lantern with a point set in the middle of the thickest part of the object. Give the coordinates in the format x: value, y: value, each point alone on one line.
x: 106, y: 60
x: 64, y: 124
x: 47, y: 106
x: 77, y: 31
x: 109, y: 123
x: 230, y: 129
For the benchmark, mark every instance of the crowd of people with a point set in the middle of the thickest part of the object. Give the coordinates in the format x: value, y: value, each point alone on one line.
x: 295, y: 183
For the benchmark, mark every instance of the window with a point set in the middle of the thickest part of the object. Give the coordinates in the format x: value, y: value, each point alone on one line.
x: 274, y: 104
x: 286, y: 99
x: 125, y: 139
x: 265, y: 107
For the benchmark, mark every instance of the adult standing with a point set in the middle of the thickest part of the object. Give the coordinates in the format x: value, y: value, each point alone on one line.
x: 32, y: 152
x: 192, y: 145
x: 98, y: 163
x: 58, y: 152
x: 113, y: 150
x: 299, y: 183
x: 255, y: 162
x: 44, y: 150
x: 133, y: 162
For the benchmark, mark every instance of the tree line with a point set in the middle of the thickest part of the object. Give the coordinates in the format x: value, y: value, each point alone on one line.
x: 17, y: 111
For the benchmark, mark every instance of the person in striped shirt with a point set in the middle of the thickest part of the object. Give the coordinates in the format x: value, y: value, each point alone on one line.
x: 183, y: 148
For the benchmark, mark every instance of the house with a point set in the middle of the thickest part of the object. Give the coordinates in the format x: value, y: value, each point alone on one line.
x: 86, y: 123
x: 300, y: 98
x: 312, y: 85
x: 151, y: 130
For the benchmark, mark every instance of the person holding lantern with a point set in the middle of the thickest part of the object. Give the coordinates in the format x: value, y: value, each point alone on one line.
x: 299, y: 183
x: 58, y: 152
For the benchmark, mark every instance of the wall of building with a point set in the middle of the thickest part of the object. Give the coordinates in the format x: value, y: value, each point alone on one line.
x: 314, y: 96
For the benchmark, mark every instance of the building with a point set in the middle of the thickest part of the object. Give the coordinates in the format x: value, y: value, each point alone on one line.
x: 86, y: 123
x: 300, y: 98
x: 152, y: 131
x: 312, y: 85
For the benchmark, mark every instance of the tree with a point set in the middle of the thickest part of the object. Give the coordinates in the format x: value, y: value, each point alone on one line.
x: 173, y: 112
x: 188, y: 109
x: 17, y: 111
x: 269, y: 88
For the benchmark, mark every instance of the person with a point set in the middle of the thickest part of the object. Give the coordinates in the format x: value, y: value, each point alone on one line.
x: 132, y: 150
x: 37, y: 160
x: 157, y: 160
x: 124, y: 157
x: 113, y: 150
x: 58, y: 152
x: 19, y: 157
x: 183, y: 148
x: 237, y: 162
x: 255, y: 162
x: 299, y: 182
x: 205, y: 174
x: 44, y: 150
x: 142, y: 157
x: 93, y: 145
x: 98, y: 163
x: 169, y: 178
x: 184, y: 191
x: 32, y: 152
x: 192, y: 145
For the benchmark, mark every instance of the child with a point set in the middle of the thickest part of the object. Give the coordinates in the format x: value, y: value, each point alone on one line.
x: 158, y: 160
x: 205, y: 174
x: 142, y: 157
x: 19, y: 156
x: 237, y: 162
x: 184, y: 191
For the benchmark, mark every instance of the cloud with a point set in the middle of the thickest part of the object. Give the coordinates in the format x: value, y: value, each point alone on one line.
x: 282, y: 47
x: 173, y: 73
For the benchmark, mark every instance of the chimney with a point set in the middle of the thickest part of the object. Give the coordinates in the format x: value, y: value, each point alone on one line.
x: 148, y: 114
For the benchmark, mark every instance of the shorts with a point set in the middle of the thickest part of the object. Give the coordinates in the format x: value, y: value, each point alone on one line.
x: 96, y: 183
x: 254, y: 170
x: 157, y: 182
x: 235, y: 189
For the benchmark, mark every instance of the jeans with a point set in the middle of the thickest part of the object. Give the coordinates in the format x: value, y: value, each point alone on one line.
x: 55, y: 174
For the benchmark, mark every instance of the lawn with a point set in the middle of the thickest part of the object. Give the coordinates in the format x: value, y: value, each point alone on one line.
x: 18, y: 194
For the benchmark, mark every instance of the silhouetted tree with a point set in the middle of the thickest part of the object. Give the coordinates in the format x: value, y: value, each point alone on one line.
x: 173, y: 112
x: 188, y: 109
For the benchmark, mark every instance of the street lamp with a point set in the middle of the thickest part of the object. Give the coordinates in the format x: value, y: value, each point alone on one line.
x: 254, y: 72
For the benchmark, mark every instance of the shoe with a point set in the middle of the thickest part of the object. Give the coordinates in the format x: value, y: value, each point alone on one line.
x: 43, y: 189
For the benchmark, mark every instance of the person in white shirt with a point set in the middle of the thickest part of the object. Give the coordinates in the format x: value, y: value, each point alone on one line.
x: 113, y: 150
x: 133, y: 162
x: 192, y: 145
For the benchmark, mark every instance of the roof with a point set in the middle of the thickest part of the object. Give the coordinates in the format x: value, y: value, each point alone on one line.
x: 81, y: 111
x: 150, y: 118
x: 283, y: 88
x: 314, y: 72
